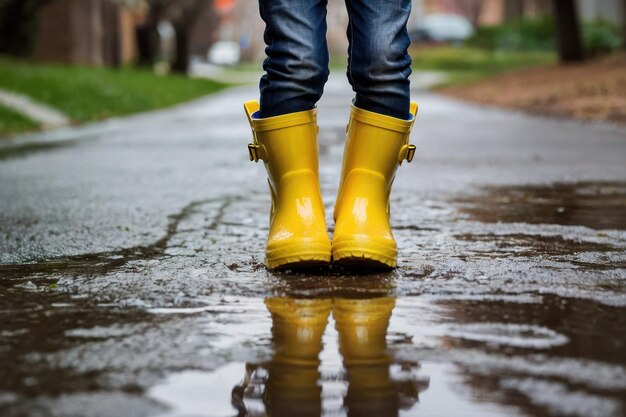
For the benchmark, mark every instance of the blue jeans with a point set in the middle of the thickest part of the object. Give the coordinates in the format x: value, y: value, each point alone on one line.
x: 296, y: 67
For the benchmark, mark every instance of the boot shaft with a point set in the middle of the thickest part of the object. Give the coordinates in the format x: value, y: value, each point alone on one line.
x: 375, y: 146
x: 287, y: 144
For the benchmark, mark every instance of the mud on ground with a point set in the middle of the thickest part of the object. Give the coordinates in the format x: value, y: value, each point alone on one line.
x: 594, y: 90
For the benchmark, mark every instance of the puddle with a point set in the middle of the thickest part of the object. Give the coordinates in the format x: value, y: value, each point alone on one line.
x: 382, y: 356
x: 197, y: 393
x: 518, y: 244
x: 560, y: 400
x: 216, y: 394
x: 355, y: 354
x: 330, y: 358
x: 597, y: 205
x: 583, y: 254
x: 506, y: 334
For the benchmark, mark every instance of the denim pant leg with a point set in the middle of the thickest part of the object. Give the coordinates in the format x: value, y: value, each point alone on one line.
x: 379, y: 65
x: 296, y: 67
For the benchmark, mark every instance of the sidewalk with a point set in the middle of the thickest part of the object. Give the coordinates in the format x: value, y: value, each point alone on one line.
x: 132, y: 276
x: 42, y: 114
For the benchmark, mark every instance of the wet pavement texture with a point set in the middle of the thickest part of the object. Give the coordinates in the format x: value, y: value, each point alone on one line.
x: 132, y: 279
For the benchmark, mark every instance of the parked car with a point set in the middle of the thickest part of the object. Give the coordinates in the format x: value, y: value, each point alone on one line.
x: 224, y: 53
x: 441, y: 28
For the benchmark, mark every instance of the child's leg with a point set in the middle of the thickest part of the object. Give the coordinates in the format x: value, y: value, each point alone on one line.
x: 297, y: 55
x: 284, y: 126
x: 379, y: 64
x: 377, y: 138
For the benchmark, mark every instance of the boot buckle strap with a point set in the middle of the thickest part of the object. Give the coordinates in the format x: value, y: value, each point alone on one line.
x: 256, y: 152
x: 253, y: 152
x: 407, y: 152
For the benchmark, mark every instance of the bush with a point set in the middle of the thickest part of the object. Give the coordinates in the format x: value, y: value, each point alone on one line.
x: 535, y: 34
x: 539, y: 34
x: 601, y: 37
x: 475, y: 59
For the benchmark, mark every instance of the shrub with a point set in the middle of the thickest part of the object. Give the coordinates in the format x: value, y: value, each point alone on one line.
x: 539, y: 34
x: 536, y: 34
x: 601, y: 37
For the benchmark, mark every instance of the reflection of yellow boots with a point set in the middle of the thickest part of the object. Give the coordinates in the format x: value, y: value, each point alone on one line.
x: 288, y: 146
x: 362, y: 327
x: 375, y: 145
x: 297, y: 327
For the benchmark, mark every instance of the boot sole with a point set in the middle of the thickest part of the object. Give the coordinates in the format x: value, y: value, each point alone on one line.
x: 299, y: 256
x: 365, y: 254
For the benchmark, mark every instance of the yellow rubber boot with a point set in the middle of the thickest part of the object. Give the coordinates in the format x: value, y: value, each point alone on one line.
x: 362, y: 326
x: 287, y: 145
x: 375, y: 146
x: 292, y: 387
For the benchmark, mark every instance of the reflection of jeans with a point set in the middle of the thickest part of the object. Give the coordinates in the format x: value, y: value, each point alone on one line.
x: 297, y: 55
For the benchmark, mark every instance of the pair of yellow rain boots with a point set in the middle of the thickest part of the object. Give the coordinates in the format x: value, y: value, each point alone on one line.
x: 293, y: 374
x: 375, y: 146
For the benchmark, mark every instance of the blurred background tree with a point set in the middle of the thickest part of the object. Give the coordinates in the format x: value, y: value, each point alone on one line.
x: 569, y: 43
x: 184, y: 15
x: 558, y: 26
x: 174, y: 34
x: 471, y: 9
x: 18, y: 24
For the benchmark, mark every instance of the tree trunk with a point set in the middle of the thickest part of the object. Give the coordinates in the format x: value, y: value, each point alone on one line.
x: 18, y: 25
x: 624, y: 24
x: 568, y: 31
x: 475, y: 9
x: 147, y: 44
x: 513, y: 10
x: 182, y: 47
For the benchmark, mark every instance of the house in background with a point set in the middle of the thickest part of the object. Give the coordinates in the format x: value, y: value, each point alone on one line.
x: 246, y: 26
x: 489, y: 12
x: 88, y: 32
x: 611, y: 10
x: 103, y: 32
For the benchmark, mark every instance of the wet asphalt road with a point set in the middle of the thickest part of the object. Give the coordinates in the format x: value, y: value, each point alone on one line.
x: 132, y: 283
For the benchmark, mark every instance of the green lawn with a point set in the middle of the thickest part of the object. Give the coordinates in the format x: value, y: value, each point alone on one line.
x: 465, y: 64
x: 12, y: 122
x: 86, y: 94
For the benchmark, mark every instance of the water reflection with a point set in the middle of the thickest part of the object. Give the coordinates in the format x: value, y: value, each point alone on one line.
x: 291, y: 383
x: 598, y: 205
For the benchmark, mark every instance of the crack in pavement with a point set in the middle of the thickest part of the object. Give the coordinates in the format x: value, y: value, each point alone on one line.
x: 106, y: 262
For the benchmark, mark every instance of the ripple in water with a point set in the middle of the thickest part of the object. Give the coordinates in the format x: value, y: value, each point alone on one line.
x: 507, y: 334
